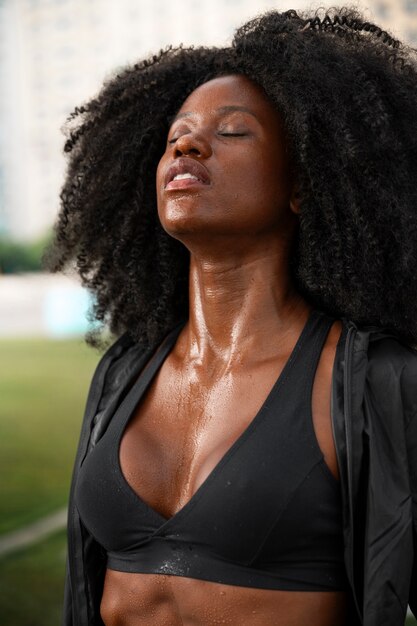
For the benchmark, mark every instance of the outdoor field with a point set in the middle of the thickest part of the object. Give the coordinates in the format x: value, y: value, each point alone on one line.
x: 43, y: 389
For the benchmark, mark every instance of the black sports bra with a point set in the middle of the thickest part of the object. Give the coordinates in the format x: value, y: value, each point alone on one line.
x: 269, y: 515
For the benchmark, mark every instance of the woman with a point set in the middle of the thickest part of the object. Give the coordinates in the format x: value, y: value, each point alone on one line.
x: 248, y: 451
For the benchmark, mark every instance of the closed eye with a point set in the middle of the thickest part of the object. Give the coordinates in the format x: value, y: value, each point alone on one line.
x: 222, y: 134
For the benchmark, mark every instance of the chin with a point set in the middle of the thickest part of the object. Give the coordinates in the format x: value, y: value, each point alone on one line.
x: 183, y: 230
x: 177, y: 220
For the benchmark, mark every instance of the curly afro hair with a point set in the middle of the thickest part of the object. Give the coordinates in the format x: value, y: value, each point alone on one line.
x: 347, y: 92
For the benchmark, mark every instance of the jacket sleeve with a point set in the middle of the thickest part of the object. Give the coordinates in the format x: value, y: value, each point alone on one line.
x: 409, y: 393
x: 79, y: 608
x: 67, y: 619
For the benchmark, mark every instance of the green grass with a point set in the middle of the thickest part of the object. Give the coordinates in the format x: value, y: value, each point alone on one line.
x: 32, y: 584
x: 43, y: 390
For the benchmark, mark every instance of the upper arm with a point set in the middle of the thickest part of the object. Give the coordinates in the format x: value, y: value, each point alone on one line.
x: 409, y: 399
x: 391, y: 405
x: 409, y: 402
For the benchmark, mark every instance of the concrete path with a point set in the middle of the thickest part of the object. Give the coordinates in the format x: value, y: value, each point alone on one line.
x: 32, y: 533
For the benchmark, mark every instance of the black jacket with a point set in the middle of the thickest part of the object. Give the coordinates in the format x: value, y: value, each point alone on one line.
x: 374, y: 419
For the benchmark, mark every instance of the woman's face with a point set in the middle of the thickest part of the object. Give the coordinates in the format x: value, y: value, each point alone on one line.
x: 225, y: 170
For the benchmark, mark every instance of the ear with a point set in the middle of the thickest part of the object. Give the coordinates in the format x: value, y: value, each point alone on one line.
x: 295, y: 200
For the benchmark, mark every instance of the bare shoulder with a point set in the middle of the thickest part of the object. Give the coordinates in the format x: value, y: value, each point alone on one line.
x: 329, y: 349
x: 334, y: 334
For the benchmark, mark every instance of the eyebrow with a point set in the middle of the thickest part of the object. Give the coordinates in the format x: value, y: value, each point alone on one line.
x: 229, y: 108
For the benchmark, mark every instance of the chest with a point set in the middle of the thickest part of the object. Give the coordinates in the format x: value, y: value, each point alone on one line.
x: 188, y: 420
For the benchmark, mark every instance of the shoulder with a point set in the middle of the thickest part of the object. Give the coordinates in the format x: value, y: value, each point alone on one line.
x: 391, y: 368
x: 116, y: 367
x: 388, y: 353
x: 112, y: 377
x: 116, y: 356
x: 113, y: 366
x: 384, y: 348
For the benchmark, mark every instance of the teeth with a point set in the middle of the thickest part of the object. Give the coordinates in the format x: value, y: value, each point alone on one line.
x: 186, y: 175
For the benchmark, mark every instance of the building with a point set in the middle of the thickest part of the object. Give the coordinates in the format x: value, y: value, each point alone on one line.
x: 54, y: 54
x: 399, y: 17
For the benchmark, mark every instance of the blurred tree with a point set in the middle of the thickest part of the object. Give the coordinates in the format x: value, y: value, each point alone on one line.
x: 16, y: 256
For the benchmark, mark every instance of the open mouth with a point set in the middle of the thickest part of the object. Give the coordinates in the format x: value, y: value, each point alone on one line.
x: 182, y: 181
x: 186, y: 172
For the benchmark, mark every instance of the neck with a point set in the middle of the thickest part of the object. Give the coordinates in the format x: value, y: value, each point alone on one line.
x: 237, y: 304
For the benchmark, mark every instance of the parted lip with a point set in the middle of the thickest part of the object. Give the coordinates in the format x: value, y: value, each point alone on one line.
x: 183, y: 165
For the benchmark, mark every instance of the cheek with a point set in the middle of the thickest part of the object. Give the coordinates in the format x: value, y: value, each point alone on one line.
x: 159, y: 179
x: 258, y: 178
x: 159, y: 170
x: 276, y: 177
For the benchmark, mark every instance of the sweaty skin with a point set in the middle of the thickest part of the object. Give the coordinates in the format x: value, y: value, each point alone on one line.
x: 245, y: 317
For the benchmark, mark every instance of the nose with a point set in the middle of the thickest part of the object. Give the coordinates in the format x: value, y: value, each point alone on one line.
x: 194, y: 144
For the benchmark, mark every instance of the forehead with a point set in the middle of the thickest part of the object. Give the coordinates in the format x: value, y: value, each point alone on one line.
x: 234, y: 90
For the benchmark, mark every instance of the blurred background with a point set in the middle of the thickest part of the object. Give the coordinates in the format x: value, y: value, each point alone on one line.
x: 54, y: 54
